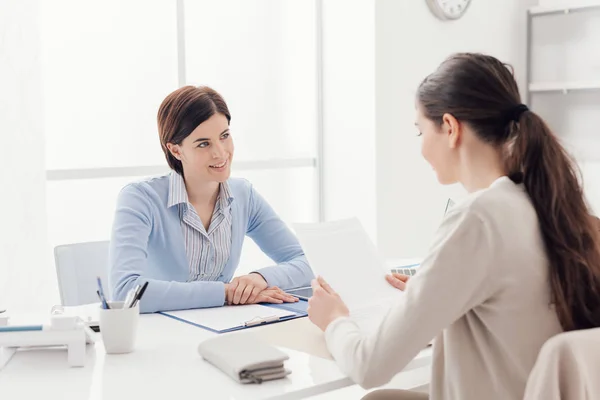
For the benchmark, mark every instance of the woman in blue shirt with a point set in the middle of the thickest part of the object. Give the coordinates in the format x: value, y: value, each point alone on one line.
x: 183, y: 232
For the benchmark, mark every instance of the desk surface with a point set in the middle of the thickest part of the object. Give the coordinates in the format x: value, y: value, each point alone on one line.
x: 164, y: 365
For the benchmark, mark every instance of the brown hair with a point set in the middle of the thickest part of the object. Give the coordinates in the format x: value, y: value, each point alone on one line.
x: 481, y: 91
x: 182, y: 111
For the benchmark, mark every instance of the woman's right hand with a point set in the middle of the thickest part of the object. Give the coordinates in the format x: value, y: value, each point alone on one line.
x: 398, y: 281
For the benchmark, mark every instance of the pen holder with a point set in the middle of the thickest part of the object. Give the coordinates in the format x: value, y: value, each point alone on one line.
x: 118, y: 327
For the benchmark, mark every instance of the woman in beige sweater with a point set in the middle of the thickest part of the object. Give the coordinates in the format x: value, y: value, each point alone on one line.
x: 515, y: 263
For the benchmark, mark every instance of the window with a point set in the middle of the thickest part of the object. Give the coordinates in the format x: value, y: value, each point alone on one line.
x: 107, y: 67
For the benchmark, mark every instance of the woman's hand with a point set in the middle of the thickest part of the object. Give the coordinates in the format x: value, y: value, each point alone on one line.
x: 252, y: 289
x: 244, y: 289
x: 325, y: 305
x: 273, y: 295
x: 398, y: 281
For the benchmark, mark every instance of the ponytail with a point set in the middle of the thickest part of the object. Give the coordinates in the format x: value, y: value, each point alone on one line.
x: 570, y: 233
x: 481, y: 91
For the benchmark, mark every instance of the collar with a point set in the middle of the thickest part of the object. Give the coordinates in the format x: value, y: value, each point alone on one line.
x: 178, y: 193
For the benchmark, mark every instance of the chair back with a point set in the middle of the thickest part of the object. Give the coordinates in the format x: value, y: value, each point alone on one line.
x: 567, y: 368
x: 77, y: 267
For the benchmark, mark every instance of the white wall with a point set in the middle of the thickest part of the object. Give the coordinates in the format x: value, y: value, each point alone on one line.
x: 27, y: 276
x: 410, y: 43
x: 349, y: 110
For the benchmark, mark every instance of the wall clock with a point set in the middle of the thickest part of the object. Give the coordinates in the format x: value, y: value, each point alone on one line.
x: 448, y: 9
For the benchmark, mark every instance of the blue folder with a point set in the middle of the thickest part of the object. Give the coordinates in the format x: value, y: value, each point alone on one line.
x: 298, y: 309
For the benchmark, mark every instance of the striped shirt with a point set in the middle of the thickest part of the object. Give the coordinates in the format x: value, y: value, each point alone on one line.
x: 207, y: 252
x: 147, y: 245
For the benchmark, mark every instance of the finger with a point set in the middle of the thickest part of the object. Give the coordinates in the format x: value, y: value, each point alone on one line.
x: 269, y: 292
x: 289, y: 298
x: 246, y: 294
x: 232, y: 286
x: 402, y: 277
x: 326, y: 286
x: 263, y: 298
x: 284, y: 297
x: 255, y: 292
x: 395, y: 282
x: 237, y: 296
x: 315, y: 284
x: 274, y: 293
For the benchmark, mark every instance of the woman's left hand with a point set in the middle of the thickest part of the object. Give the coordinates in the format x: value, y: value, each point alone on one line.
x: 244, y: 289
x: 325, y: 305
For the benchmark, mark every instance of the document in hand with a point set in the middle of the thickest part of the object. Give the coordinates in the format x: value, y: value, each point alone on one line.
x: 344, y: 255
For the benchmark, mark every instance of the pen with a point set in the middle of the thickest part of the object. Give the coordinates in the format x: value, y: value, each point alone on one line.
x: 140, y: 294
x: 260, y: 321
x: 130, y: 298
x: 101, y: 294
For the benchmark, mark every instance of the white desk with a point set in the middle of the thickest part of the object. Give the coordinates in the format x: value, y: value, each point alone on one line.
x: 164, y: 365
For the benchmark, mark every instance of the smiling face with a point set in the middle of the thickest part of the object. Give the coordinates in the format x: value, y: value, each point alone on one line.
x: 206, y: 154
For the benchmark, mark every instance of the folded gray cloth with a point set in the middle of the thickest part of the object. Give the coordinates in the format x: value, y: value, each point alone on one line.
x: 244, y: 357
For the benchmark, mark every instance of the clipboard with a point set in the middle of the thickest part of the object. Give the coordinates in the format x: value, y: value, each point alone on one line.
x: 234, y: 318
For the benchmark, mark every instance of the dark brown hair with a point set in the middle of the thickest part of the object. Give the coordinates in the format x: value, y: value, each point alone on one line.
x: 481, y: 91
x: 182, y: 111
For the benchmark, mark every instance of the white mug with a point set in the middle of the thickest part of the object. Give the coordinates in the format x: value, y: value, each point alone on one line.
x: 118, y: 327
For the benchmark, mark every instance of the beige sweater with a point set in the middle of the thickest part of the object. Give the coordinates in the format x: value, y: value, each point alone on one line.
x: 482, y: 292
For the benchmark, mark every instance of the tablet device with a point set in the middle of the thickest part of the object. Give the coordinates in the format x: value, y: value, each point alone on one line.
x: 303, y: 293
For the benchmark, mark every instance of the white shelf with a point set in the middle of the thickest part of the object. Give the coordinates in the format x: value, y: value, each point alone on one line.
x: 563, y: 9
x: 564, y: 87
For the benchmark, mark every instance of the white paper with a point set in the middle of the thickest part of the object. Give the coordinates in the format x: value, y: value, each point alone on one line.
x: 369, y: 316
x: 344, y: 255
x: 227, y: 317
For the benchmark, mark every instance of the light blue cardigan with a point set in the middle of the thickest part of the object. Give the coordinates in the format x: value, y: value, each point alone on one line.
x: 147, y: 245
